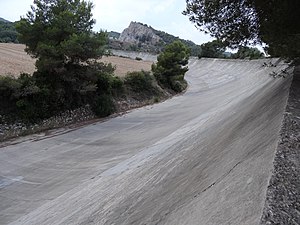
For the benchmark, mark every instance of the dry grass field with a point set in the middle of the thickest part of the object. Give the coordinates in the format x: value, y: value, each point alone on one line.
x: 14, y: 60
x: 124, y: 65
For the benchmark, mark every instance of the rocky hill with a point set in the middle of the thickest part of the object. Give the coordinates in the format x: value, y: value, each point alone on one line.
x: 138, y: 33
x: 141, y: 37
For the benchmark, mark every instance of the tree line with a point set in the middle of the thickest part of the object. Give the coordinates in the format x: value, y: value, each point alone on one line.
x: 8, y: 32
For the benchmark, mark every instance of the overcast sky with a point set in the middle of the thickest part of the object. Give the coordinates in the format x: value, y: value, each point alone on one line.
x: 116, y: 15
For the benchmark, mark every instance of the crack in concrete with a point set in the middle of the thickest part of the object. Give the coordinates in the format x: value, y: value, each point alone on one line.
x: 218, y: 180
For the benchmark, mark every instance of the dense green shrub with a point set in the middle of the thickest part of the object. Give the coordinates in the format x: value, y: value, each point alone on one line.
x: 213, y: 49
x: 45, y: 94
x: 8, y: 32
x: 22, y: 98
x: 172, y: 65
x: 103, y: 105
x: 9, y: 90
x: 248, y: 52
x: 116, y: 83
x: 178, y: 83
x: 140, y: 81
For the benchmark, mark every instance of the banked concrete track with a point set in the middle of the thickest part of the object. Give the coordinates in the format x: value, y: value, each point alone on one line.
x: 204, y: 157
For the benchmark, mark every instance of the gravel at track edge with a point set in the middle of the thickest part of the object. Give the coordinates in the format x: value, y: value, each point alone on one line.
x: 282, y: 204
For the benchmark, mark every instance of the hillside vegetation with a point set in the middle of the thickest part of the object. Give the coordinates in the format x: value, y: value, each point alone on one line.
x: 8, y: 32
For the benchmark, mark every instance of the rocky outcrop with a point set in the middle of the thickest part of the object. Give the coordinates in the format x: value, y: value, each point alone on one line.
x: 138, y: 33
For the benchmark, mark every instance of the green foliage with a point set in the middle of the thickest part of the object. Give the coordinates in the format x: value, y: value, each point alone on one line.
x: 116, y: 85
x: 178, y: 86
x: 113, y: 35
x: 103, y: 105
x: 133, y: 47
x: 247, y: 52
x: 196, y: 50
x: 213, y: 49
x: 109, y: 84
x: 22, y: 98
x: 32, y: 98
x: 171, y: 65
x: 58, y: 32
x: 156, y: 99
x: 279, y: 26
x: 167, y: 39
x: 236, y: 23
x: 78, y: 85
x: 9, y: 90
x: 8, y: 32
x: 141, y: 81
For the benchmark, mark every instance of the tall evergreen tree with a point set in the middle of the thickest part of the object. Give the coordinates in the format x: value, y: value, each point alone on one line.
x: 172, y: 65
x: 236, y: 22
x: 213, y: 49
x: 59, y: 32
x: 247, y: 52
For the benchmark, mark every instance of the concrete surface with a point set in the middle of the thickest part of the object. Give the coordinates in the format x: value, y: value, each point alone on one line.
x: 201, y: 158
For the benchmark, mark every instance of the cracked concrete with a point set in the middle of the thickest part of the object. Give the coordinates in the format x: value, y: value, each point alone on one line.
x: 220, y: 179
x: 201, y: 158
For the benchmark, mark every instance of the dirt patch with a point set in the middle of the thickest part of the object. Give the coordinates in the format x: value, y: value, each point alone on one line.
x: 14, y: 60
x: 283, y: 195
